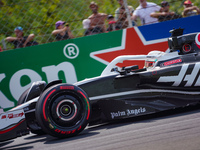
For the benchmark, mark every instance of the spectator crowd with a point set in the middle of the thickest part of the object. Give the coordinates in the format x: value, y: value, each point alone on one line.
x: 124, y: 16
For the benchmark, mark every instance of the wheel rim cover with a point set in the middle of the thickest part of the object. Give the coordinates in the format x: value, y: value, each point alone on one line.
x: 65, y: 108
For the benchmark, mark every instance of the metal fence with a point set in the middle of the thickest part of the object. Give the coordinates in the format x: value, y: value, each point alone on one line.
x: 39, y: 16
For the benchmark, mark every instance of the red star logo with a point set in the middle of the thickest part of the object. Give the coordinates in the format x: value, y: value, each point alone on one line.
x: 133, y: 43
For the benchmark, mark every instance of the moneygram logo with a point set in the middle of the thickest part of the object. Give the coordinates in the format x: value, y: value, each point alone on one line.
x: 71, y: 51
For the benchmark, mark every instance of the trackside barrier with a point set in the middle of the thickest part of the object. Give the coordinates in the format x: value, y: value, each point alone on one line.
x: 76, y: 59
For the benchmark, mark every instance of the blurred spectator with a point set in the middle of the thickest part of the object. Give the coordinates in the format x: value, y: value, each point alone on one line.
x: 189, y: 9
x: 20, y: 40
x: 62, y: 31
x: 121, y: 16
x: 165, y: 14
x: 144, y: 10
x: 111, y: 23
x: 97, y: 20
x: 86, y: 26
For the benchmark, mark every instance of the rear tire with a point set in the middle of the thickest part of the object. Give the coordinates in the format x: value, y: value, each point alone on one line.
x: 63, y: 110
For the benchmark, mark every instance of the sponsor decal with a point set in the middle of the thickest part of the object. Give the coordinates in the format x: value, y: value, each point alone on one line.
x: 188, y: 79
x: 187, y: 48
x: 135, y: 111
x: 197, y: 40
x: 67, y: 132
x: 66, y: 87
x: 127, y: 45
x: 14, y: 82
x: 118, y: 114
x: 154, y: 73
x: 63, y: 132
x: 71, y: 51
x: 12, y: 115
x: 171, y: 62
x: 128, y: 112
x: 3, y: 117
x: 10, y: 120
x: 51, y: 126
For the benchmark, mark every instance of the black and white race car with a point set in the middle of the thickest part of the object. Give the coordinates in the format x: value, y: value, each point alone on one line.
x: 168, y: 80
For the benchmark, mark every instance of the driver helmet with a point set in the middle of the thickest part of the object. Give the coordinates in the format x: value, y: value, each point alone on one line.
x: 150, y: 62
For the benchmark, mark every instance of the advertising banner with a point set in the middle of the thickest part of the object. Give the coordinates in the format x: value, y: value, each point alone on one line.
x: 76, y: 59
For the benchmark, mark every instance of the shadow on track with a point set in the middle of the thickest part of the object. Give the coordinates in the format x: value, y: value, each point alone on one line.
x: 47, y: 139
x: 148, y: 118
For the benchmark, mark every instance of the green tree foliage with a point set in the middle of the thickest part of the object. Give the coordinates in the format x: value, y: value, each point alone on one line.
x: 39, y: 16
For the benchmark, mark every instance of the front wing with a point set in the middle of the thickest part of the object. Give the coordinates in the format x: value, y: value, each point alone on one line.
x: 12, y: 125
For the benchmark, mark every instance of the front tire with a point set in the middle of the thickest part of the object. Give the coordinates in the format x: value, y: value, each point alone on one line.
x: 63, y: 110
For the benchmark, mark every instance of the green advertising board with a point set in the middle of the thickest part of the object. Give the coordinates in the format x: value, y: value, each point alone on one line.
x: 76, y: 59
x: 68, y: 60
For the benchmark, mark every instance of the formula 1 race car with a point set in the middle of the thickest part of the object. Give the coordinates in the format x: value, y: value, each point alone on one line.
x: 168, y: 80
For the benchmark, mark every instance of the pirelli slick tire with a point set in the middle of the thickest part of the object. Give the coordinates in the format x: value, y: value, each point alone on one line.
x: 63, y: 110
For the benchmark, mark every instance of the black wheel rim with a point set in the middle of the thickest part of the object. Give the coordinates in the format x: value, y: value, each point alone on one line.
x: 66, y: 110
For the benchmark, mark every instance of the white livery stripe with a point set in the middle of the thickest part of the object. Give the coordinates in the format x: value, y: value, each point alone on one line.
x: 142, y: 91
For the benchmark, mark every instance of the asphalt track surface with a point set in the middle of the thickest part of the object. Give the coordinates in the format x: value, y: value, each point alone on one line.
x: 178, y: 130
